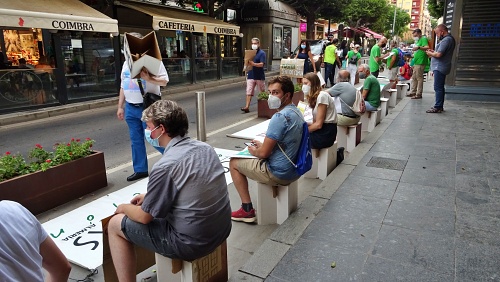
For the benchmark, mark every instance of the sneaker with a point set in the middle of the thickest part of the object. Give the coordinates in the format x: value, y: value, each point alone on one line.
x: 242, y: 215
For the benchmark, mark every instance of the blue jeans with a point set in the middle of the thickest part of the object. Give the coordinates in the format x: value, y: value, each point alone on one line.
x: 329, y: 73
x: 369, y: 107
x: 136, y: 128
x: 439, y: 79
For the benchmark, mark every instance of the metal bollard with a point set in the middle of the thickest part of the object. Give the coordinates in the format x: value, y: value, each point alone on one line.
x: 201, y: 118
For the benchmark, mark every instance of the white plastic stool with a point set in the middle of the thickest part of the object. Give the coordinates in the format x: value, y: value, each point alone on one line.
x: 324, y: 162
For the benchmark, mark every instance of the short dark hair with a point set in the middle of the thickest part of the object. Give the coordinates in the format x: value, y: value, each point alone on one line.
x: 335, y: 40
x: 417, y: 30
x: 285, y: 82
x: 168, y: 114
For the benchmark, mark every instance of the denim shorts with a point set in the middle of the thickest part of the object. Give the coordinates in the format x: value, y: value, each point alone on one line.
x: 151, y: 236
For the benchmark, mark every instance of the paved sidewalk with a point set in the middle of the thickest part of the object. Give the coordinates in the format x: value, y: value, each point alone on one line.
x: 420, y: 202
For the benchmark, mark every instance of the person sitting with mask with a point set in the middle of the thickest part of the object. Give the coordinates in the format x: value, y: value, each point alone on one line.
x: 346, y: 93
x: 323, y: 128
x: 271, y: 166
x: 371, y: 88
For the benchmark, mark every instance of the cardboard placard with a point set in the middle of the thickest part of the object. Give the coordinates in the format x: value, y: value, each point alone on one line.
x: 249, y: 55
x: 145, y: 258
x: 142, y: 53
x: 292, y: 67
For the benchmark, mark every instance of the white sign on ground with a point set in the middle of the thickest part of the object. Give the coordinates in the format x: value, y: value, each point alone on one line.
x: 257, y: 131
x: 79, y: 233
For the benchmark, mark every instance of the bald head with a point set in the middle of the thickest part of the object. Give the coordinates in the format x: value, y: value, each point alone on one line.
x: 382, y: 42
x: 344, y: 76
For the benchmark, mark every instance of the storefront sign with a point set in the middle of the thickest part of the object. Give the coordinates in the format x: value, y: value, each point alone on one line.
x: 448, y: 13
x: 193, y: 27
x: 303, y: 27
x: 68, y: 25
x: 251, y: 19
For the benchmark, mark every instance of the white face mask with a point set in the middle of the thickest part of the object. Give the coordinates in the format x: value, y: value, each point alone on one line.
x: 255, y: 46
x: 273, y: 102
x: 416, y: 39
x: 306, y: 89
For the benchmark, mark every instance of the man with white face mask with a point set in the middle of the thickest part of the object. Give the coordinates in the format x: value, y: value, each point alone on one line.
x: 420, y: 62
x: 271, y: 165
x: 255, y: 76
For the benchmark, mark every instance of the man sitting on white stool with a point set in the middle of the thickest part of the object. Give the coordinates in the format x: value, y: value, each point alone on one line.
x: 346, y: 92
x: 271, y: 166
x: 371, y: 88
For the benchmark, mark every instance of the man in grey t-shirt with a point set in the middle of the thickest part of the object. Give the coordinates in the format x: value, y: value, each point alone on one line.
x: 185, y: 213
x: 346, y: 92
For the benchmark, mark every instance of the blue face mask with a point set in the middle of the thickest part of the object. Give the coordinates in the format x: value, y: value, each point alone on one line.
x: 303, y: 46
x: 154, y: 142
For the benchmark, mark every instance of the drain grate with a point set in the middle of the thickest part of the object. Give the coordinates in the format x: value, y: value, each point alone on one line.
x: 387, y: 163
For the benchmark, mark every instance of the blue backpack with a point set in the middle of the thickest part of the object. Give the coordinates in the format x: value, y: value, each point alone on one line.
x: 401, y: 58
x: 304, y: 157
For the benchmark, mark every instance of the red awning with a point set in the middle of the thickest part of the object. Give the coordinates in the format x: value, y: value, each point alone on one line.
x: 369, y: 31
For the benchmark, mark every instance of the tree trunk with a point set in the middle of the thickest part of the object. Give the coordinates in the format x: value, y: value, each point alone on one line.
x: 311, y: 18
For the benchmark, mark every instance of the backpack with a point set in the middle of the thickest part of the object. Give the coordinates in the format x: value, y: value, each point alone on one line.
x: 401, y: 58
x: 359, y: 107
x: 410, y: 71
x: 354, y: 58
x: 304, y: 157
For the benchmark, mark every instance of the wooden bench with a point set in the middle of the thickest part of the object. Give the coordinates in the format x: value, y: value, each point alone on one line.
x: 349, y: 136
x: 210, y: 268
x: 369, y: 120
x: 324, y: 162
x: 275, y: 203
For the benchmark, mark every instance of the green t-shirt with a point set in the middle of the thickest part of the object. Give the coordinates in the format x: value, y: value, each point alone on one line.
x: 375, y: 52
x: 373, y: 86
x: 351, y: 54
x: 330, y: 54
x: 396, y: 52
x: 419, y: 55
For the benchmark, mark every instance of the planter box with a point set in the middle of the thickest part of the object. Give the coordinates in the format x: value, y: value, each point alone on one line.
x: 264, y: 111
x: 298, y: 96
x: 44, y: 190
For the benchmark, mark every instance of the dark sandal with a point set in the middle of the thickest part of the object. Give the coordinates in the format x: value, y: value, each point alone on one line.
x: 246, y: 110
x: 434, y: 110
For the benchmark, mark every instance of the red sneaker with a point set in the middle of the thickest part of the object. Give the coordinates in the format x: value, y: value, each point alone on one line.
x: 242, y: 215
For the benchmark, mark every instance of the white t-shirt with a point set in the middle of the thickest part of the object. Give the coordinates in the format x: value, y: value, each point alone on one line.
x: 131, y: 88
x: 20, y: 239
x: 331, y: 113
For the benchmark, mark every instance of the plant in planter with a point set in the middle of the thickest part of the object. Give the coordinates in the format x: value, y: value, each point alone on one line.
x: 298, y: 95
x: 262, y: 106
x: 52, y: 178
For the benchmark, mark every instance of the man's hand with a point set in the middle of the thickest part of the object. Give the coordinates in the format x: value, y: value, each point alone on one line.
x: 137, y: 200
x: 257, y: 145
x: 120, y: 113
x: 415, y: 48
x: 120, y: 209
x: 251, y: 63
x: 145, y: 74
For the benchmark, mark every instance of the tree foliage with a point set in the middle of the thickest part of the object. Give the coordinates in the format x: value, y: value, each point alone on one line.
x: 384, y: 23
x: 436, y: 8
x: 363, y: 12
x: 214, y: 8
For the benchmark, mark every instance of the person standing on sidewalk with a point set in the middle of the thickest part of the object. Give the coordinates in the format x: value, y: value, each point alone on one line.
x: 353, y: 59
x: 270, y: 166
x: 185, y: 213
x: 305, y: 54
x: 441, y: 64
x: 392, y: 64
x: 420, y: 62
x: 331, y: 59
x: 376, y: 56
x: 255, y: 76
x: 131, y: 99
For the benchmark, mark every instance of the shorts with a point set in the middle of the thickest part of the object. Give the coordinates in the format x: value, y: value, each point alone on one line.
x: 151, y: 236
x: 251, y: 83
x: 256, y: 169
x: 393, y: 73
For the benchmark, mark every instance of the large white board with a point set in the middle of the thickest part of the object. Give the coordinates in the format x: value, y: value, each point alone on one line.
x: 257, y: 131
x: 79, y: 233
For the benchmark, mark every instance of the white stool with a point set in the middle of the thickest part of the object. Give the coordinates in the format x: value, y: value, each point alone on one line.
x: 349, y: 136
x: 210, y: 268
x: 369, y: 120
x: 324, y: 162
x: 275, y: 203
x: 393, y: 97
x: 401, y: 88
x: 383, y: 109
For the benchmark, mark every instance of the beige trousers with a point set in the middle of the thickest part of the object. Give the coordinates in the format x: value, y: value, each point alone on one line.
x: 417, y: 80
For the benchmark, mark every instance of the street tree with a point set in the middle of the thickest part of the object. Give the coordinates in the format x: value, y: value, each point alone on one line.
x: 384, y: 23
x: 436, y: 8
x: 364, y: 12
x: 214, y: 8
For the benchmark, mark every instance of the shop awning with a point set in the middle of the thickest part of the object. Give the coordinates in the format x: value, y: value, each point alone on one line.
x: 371, y: 32
x: 176, y: 19
x: 54, y: 14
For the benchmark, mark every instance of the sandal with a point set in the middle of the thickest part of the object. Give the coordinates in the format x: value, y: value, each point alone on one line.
x: 245, y: 110
x: 416, y: 97
x: 434, y: 110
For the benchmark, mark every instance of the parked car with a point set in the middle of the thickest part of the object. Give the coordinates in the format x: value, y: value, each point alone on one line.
x: 317, y: 50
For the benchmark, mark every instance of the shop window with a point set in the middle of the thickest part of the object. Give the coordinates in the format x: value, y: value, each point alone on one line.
x: 277, y: 42
x: 174, y: 48
x: 230, y: 57
x: 205, y: 56
x: 287, y: 41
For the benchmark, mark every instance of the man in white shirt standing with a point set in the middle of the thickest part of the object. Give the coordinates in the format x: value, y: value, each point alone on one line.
x: 130, y: 107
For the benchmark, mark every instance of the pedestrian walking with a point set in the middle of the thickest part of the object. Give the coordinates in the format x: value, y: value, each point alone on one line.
x: 331, y: 59
x: 376, y: 56
x: 353, y: 59
x: 256, y: 75
x: 420, y: 61
x: 305, y: 54
x: 130, y: 107
x: 441, y: 64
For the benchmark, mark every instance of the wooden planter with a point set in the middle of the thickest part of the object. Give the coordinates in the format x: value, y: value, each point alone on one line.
x: 44, y: 190
x: 297, y: 96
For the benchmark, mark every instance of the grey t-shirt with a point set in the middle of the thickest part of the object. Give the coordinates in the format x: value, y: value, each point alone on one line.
x: 445, y: 47
x: 187, y: 187
x: 347, y: 93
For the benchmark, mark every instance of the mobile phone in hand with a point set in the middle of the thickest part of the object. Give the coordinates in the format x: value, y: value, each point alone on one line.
x: 249, y: 144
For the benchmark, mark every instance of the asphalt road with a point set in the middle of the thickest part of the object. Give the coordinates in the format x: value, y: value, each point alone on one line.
x: 111, y: 135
